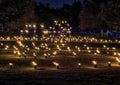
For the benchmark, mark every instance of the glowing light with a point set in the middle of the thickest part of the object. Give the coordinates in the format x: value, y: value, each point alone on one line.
x: 114, y: 53
x: 1, y: 44
x: 56, y: 64
x: 63, y: 45
x: 21, y: 31
x: 113, y: 48
x: 79, y: 65
x: 45, y: 32
x: 10, y: 64
x: 94, y: 62
x: 118, y: 54
x: 26, y: 31
x: 34, y: 63
x: 74, y: 53
x: 89, y: 51
x: 34, y: 25
x: 109, y: 64
x: 54, y: 53
x: 88, y: 48
x: 117, y: 59
x: 104, y: 46
x: 26, y: 26
x: 42, y: 26
x: 98, y: 51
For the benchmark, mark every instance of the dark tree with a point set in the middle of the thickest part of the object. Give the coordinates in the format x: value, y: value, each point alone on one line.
x: 89, y: 16
x: 111, y: 14
x: 12, y: 9
x: 71, y: 12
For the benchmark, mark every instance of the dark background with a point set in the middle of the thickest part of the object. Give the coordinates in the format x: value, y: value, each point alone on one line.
x: 57, y: 3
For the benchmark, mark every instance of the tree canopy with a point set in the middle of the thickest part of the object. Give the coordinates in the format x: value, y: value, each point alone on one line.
x: 111, y: 13
x: 12, y: 9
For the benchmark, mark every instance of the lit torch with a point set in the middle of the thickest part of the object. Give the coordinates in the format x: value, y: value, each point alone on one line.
x: 118, y: 60
x: 56, y: 64
x: 94, y: 63
x: 34, y: 64
x: 79, y: 65
x: 109, y: 64
x: 11, y: 65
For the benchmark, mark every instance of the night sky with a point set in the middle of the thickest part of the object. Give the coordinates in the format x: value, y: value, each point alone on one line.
x: 56, y: 3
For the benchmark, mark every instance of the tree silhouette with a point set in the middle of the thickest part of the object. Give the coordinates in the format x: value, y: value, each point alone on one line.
x: 71, y: 12
x: 12, y: 9
x: 89, y: 16
x: 111, y: 14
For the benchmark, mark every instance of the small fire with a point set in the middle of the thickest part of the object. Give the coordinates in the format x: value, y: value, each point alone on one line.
x: 34, y: 63
x: 56, y: 64
x: 94, y: 62
x: 117, y: 59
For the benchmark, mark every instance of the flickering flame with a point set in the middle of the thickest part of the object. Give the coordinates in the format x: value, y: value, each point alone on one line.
x: 56, y: 64
x: 34, y: 63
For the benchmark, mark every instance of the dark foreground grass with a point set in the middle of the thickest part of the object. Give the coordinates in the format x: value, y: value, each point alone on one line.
x: 61, y: 77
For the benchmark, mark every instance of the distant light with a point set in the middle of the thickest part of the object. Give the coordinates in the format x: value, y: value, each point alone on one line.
x: 30, y: 25
x: 34, y: 25
x: 42, y: 25
x: 79, y: 65
x: 34, y: 64
x: 94, y: 63
x: 26, y: 26
x: 10, y: 64
x: 56, y: 64
x: 118, y: 60
x: 109, y: 64
x: 45, y: 32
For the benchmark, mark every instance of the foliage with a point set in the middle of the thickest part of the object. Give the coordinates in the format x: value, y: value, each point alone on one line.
x: 12, y: 9
x: 111, y: 13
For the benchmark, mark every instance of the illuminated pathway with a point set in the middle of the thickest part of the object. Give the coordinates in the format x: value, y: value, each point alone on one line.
x: 61, y: 52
